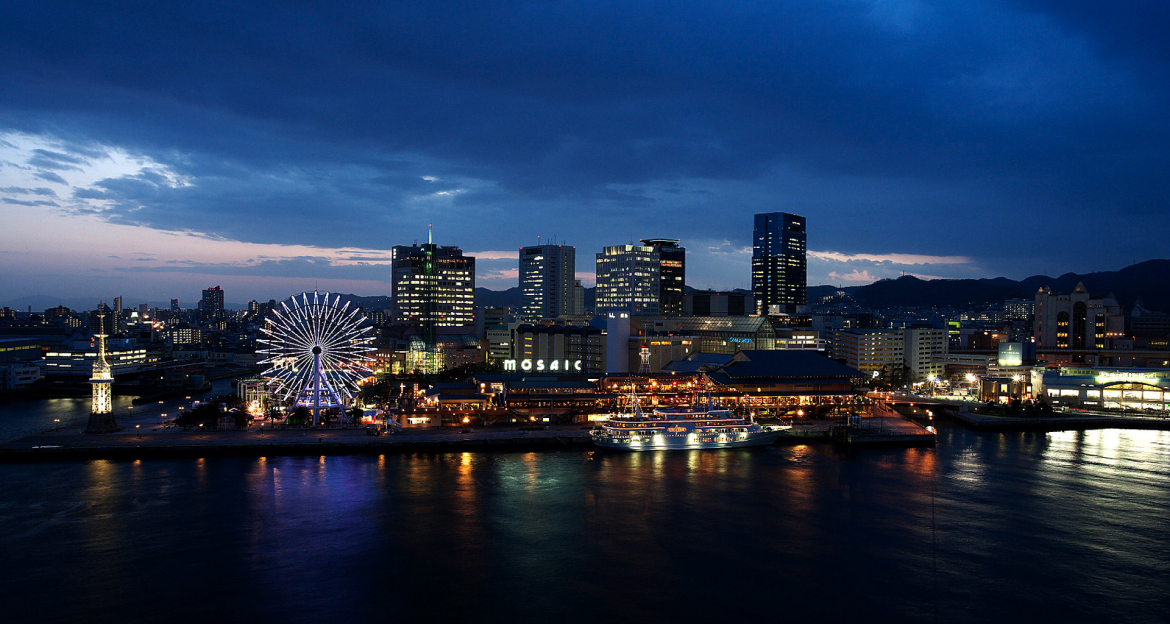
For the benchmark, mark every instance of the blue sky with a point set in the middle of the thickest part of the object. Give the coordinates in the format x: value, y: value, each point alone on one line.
x: 151, y: 150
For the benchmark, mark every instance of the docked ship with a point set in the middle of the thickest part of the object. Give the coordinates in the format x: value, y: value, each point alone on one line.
x: 682, y: 428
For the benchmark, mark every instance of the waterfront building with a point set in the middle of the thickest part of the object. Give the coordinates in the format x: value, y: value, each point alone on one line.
x: 779, y: 263
x: 547, y: 279
x: 1141, y: 391
x: 913, y: 352
x: 871, y: 351
x: 919, y: 348
x: 628, y: 279
x: 672, y: 274
x: 19, y: 375
x: 1076, y: 321
x: 559, y: 344
x: 432, y: 286
x: 76, y: 363
x: 669, y: 338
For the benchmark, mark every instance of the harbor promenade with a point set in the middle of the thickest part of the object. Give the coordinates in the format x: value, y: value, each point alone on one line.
x: 145, y: 438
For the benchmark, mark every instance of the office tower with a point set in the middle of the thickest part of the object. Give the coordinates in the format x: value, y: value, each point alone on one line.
x: 779, y: 268
x: 546, y: 281
x: 672, y: 274
x: 432, y: 286
x: 628, y: 279
x: 211, y: 305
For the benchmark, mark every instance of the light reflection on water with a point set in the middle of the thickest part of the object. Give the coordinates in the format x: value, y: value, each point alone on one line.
x: 1041, y: 527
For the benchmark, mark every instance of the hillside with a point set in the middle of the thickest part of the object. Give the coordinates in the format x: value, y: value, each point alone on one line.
x: 1149, y: 281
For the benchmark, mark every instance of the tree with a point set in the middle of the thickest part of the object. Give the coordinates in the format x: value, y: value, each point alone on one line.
x: 300, y: 416
x: 355, y: 414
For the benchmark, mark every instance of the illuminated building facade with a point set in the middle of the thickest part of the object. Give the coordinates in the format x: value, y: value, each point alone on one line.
x: 672, y: 274
x: 1076, y: 321
x: 547, y: 278
x: 628, y: 279
x: 779, y: 266
x: 916, y: 350
x: 560, y: 343
x: 433, y: 286
x: 1140, y: 391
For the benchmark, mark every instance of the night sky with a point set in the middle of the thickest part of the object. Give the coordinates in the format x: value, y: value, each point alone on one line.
x: 153, y: 149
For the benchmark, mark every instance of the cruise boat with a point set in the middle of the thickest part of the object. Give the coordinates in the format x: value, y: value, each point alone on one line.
x: 682, y: 428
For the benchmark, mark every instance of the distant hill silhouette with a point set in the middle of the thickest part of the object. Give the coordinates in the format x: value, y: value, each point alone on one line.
x: 1149, y: 281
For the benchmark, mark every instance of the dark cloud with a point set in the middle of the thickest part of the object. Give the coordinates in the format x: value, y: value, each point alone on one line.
x: 49, y: 176
x: 48, y: 192
x: 894, y: 126
x: 25, y: 202
x: 304, y: 266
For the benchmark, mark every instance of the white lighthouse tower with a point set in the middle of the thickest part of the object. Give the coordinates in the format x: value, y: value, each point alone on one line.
x: 101, y: 414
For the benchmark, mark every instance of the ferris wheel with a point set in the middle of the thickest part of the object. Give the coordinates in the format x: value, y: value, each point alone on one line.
x: 317, y: 351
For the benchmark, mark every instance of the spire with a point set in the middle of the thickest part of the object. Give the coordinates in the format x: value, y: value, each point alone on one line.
x: 430, y: 232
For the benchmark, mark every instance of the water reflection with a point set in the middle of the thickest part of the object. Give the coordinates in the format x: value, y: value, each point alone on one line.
x: 1053, y: 526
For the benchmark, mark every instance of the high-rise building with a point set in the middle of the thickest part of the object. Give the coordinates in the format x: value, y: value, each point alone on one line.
x: 779, y: 266
x: 102, y: 321
x: 672, y: 274
x: 628, y: 279
x: 546, y: 281
x: 211, y: 305
x: 432, y: 286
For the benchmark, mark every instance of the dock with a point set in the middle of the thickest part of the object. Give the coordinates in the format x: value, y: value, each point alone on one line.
x: 141, y: 437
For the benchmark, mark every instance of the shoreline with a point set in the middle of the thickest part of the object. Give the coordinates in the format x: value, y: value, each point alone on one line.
x: 164, y: 442
x: 137, y: 441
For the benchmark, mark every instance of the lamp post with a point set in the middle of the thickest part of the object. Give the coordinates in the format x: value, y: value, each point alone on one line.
x: 138, y: 429
x: 57, y: 423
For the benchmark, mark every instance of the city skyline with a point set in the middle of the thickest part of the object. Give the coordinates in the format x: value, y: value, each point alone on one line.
x: 275, y: 155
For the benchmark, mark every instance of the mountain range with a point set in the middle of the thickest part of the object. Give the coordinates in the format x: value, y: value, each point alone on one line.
x: 1148, y: 281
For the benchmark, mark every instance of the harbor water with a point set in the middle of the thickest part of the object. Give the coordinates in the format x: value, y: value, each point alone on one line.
x: 1024, y: 527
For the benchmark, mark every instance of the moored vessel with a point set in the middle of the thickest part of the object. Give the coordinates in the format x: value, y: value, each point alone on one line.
x: 682, y: 428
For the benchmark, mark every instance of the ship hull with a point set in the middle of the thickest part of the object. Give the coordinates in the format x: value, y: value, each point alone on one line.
x: 756, y: 438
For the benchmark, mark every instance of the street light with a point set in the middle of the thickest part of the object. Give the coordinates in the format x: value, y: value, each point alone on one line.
x: 138, y: 429
x: 57, y: 422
